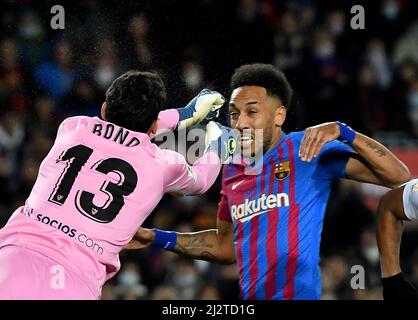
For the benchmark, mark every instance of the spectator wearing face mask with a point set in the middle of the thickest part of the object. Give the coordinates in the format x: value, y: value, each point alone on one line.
x: 327, y: 76
x: 33, y: 48
x: 82, y: 99
x: 138, y: 50
x: 57, y: 78
x: 12, y: 76
x: 412, y: 107
x: 185, y: 279
x: 336, y: 281
x: 369, y: 257
x: 377, y: 58
x: 12, y: 135
x: 405, y: 75
x: 192, y: 77
x: 368, y: 100
x: 407, y: 46
x: 107, y: 66
x: 129, y: 283
x: 289, y: 43
x: 391, y: 18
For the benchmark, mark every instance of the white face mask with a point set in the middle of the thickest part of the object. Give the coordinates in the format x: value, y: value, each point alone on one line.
x: 372, y: 254
x: 325, y: 50
x: 105, y: 75
x: 391, y: 11
x: 413, y: 100
x: 186, y: 280
x: 192, y: 78
x: 129, y: 278
x: 377, y: 56
x: 30, y: 31
x: 336, y: 27
x: 189, y: 200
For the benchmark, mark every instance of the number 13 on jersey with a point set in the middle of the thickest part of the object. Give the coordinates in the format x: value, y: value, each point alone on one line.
x: 75, y: 158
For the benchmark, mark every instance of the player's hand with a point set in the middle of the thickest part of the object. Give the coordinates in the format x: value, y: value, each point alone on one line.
x: 207, y: 102
x: 143, y: 239
x: 222, y: 140
x: 220, y: 115
x: 315, y: 137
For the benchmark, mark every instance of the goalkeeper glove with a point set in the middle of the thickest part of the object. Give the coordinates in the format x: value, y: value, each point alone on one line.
x: 220, y: 115
x: 398, y: 288
x: 207, y: 101
x: 222, y: 140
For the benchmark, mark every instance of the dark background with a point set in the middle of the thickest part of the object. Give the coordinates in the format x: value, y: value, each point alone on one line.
x: 366, y: 78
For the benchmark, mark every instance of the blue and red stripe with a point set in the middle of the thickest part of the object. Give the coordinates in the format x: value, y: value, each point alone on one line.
x: 272, y: 236
x: 293, y: 230
x: 282, y: 238
x: 239, y: 238
x: 254, y: 239
x: 262, y: 182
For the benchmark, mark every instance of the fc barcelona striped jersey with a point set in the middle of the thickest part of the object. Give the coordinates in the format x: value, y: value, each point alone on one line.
x: 278, y: 216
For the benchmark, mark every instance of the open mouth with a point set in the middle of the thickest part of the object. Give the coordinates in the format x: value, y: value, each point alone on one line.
x: 246, y: 141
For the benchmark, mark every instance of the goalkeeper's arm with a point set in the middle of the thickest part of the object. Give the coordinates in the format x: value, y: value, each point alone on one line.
x: 183, y: 179
x: 205, y: 106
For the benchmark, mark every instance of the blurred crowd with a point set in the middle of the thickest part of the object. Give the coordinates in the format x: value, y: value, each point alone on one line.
x: 366, y: 78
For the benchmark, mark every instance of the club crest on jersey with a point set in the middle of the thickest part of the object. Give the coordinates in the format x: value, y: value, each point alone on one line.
x: 282, y: 170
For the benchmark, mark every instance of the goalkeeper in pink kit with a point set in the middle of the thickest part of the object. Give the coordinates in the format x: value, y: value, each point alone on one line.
x: 97, y: 185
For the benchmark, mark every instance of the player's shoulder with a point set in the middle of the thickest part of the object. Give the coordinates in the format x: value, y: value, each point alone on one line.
x: 76, y: 119
x: 75, y: 122
x: 296, y: 136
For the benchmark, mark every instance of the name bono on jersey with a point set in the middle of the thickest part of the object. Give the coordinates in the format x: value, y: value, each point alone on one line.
x: 117, y: 134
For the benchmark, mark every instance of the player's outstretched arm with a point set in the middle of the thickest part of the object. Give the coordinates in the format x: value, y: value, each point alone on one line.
x: 206, y: 105
x: 389, y: 233
x: 180, y: 178
x: 214, y: 245
x: 374, y: 164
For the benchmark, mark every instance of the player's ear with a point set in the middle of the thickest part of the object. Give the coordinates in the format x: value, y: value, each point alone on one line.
x: 153, y: 129
x: 103, y: 111
x: 280, y: 116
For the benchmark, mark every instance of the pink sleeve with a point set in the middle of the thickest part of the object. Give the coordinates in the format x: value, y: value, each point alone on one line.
x: 184, y: 179
x: 167, y: 120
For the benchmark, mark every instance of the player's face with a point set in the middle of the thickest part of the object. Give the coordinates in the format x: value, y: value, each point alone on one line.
x: 252, y: 108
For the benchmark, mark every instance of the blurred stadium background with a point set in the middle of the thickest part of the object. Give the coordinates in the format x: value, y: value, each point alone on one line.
x: 366, y: 78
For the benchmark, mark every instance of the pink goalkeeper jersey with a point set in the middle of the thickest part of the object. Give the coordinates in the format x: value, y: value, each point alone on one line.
x: 94, y: 189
